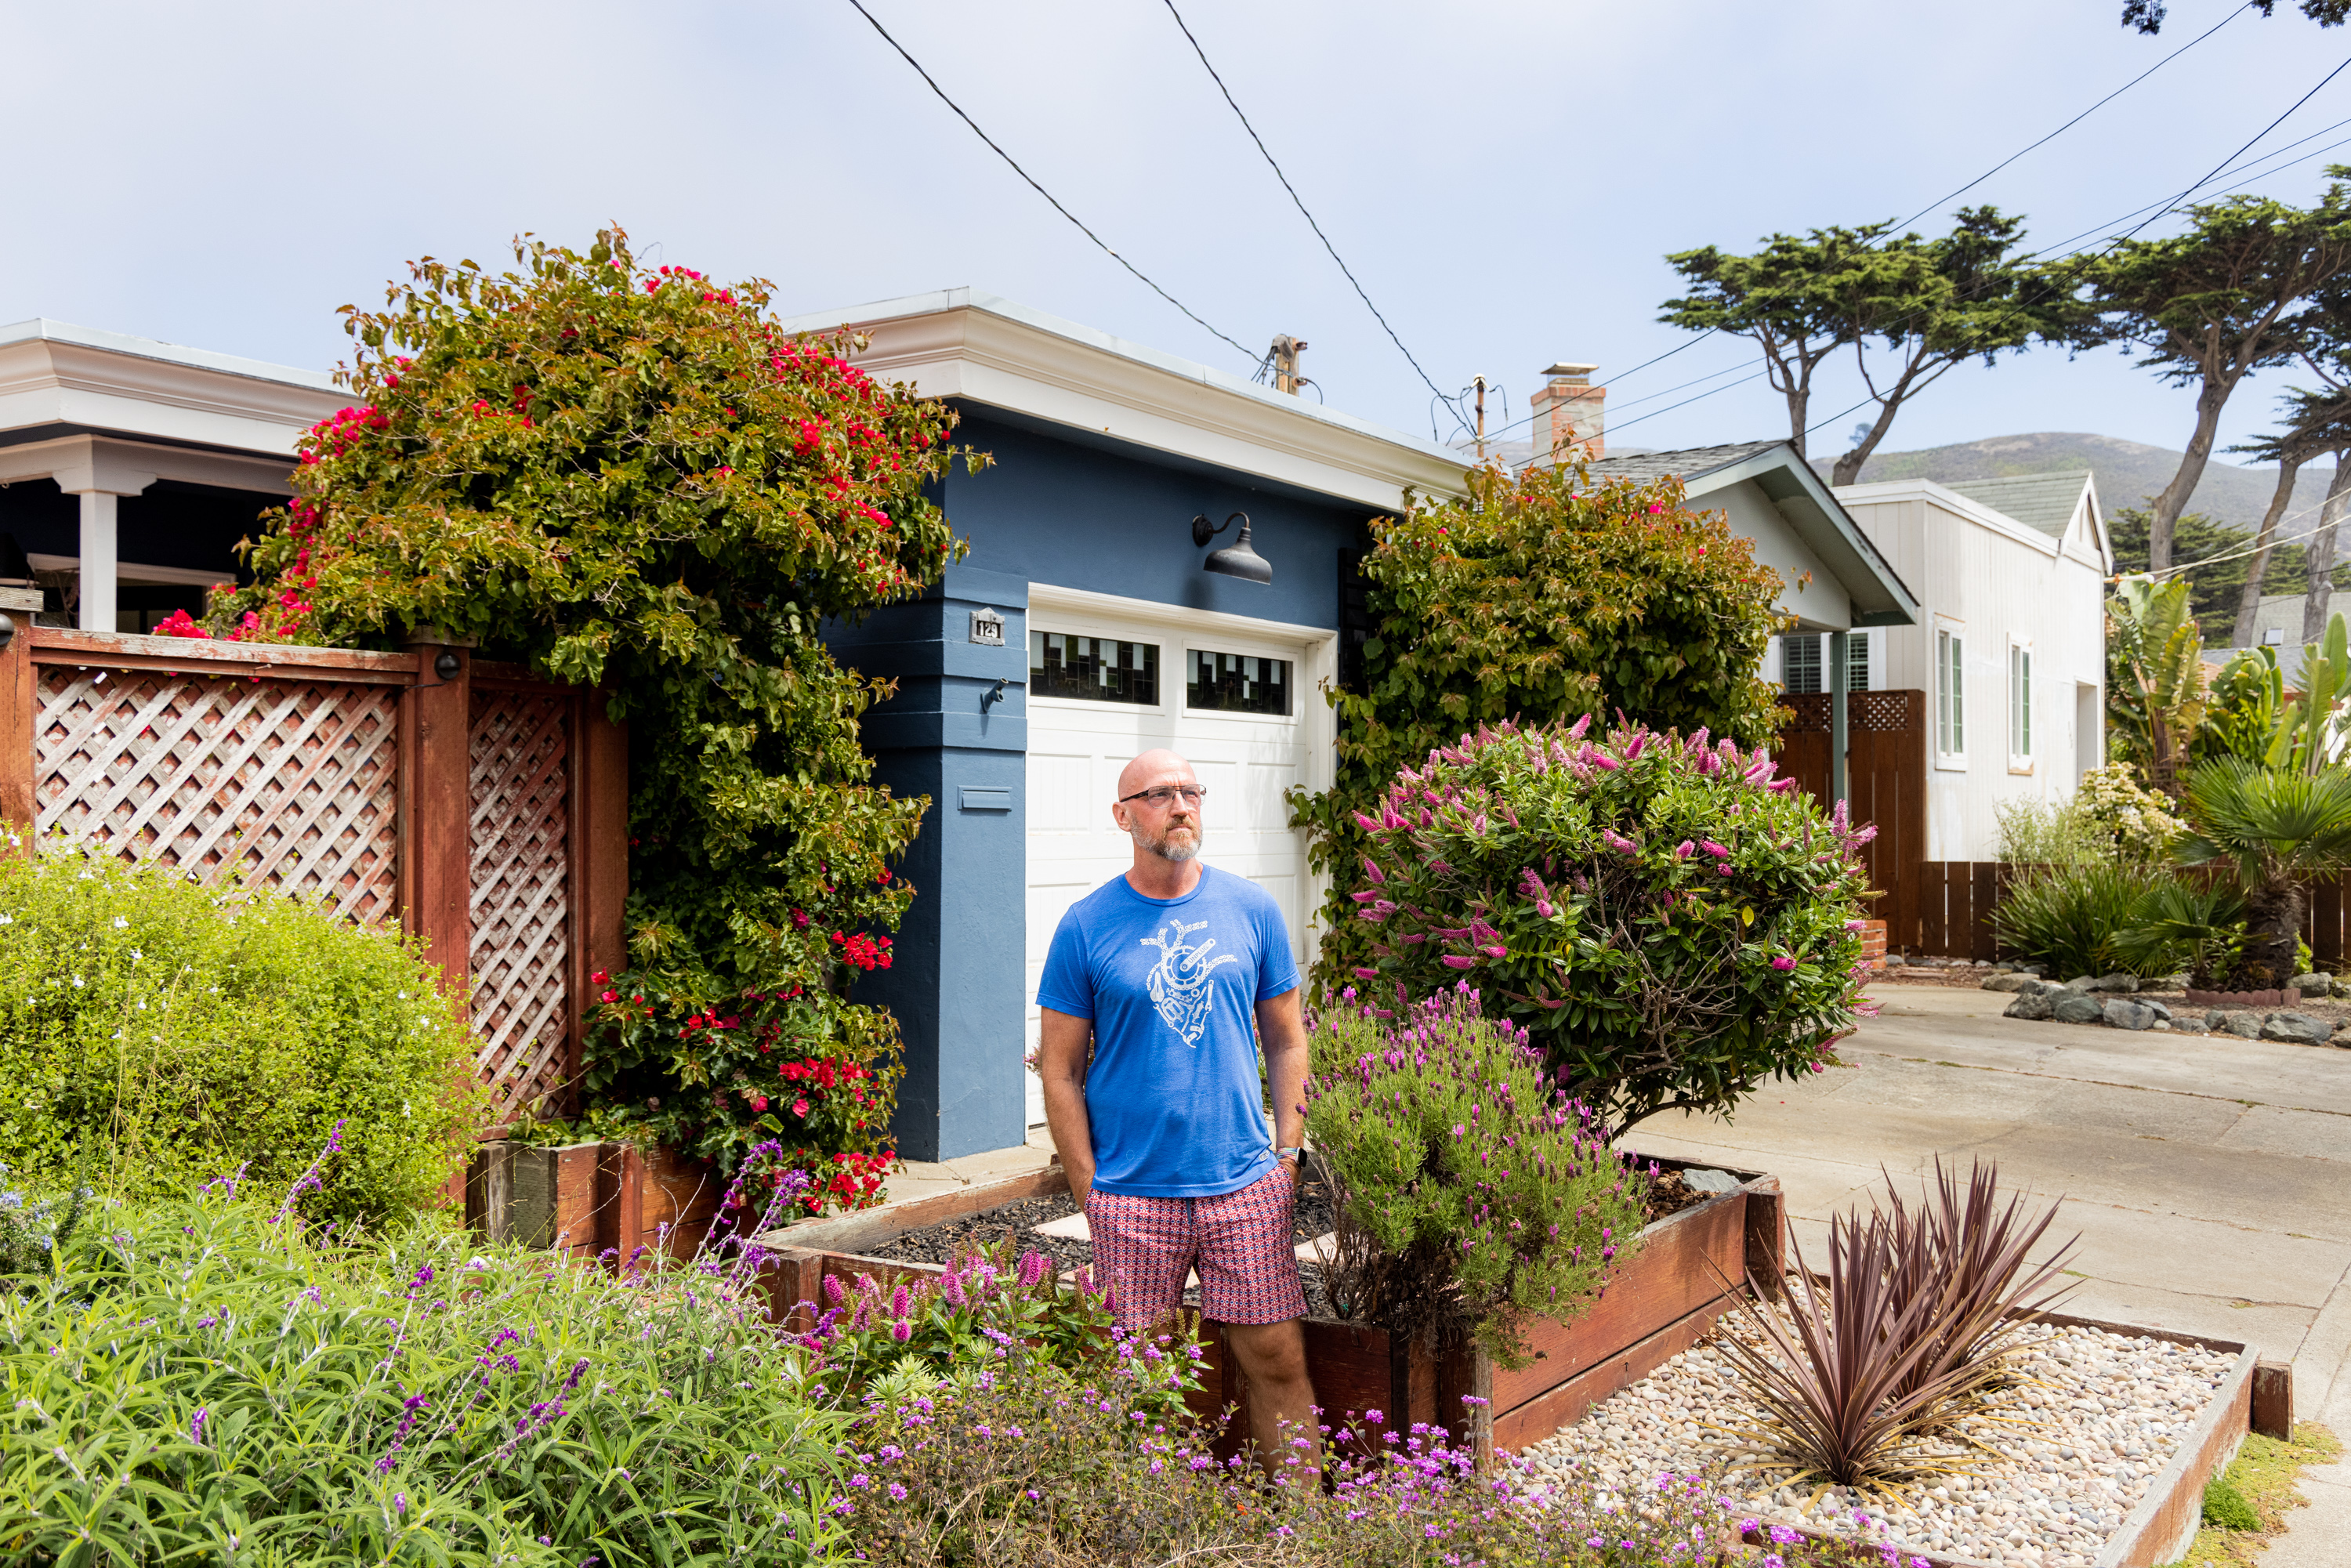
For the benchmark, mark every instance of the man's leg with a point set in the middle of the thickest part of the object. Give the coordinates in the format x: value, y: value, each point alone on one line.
x: 1248, y: 1282
x: 1273, y: 1357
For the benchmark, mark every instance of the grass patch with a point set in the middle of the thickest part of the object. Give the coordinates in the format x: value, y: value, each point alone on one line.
x: 2258, y: 1491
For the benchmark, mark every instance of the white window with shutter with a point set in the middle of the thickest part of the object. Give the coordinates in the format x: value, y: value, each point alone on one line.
x: 1950, y: 693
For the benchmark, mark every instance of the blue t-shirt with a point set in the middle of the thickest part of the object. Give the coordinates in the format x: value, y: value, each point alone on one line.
x: 1172, y: 986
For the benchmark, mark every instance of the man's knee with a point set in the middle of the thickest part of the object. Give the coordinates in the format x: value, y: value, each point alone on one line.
x: 1269, y: 1354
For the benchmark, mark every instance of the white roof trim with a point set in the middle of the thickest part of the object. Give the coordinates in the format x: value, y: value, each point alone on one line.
x: 969, y: 344
x: 41, y: 329
x: 51, y: 373
x: 1952, y: 501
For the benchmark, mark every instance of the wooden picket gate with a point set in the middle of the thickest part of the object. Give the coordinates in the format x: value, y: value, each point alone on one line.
x: 464, y: 801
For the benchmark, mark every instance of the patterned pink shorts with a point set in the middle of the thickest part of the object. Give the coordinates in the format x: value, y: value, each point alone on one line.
x: 1144, y: 1247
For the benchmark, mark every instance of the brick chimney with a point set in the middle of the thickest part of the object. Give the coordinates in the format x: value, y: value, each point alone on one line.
x: 1569, y: 412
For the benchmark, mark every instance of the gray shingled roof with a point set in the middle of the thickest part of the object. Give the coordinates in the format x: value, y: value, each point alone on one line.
x: 1687, y: 464
x: 2041, y: 501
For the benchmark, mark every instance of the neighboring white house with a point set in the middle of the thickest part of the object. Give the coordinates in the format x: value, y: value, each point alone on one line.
x: 2009, y: 646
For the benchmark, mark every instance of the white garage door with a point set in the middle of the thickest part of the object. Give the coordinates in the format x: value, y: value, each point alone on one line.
x: 1104, y: 686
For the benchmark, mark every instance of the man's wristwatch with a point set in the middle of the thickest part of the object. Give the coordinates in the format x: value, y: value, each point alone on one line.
x: 1293, y: 1156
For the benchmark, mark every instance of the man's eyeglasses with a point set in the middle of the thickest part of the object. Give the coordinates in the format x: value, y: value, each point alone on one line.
x: 1160, y: 798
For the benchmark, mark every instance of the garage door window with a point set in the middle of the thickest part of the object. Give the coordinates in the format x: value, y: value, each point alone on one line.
x: 1236, y: 682
x: 1093, y: 669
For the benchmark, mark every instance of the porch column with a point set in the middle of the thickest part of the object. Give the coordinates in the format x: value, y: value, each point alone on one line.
x: 101, y: 476
x: 96, y: 604
x: 1839, y: 682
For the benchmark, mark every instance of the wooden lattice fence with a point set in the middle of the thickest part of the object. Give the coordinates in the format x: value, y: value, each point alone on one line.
x: 469, y: 803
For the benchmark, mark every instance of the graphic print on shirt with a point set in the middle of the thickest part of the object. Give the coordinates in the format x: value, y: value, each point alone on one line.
x: 1180, y: 981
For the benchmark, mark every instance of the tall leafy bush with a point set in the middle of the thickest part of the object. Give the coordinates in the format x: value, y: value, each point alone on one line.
x: 1672, y: 925
x: 1472, y: 1194
x: 633, y: 476
x: 1543, y: 597
x: 158, y: 1033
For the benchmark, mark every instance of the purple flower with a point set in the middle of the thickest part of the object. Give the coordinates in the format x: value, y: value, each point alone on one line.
x: 1783, y: 963
x: 400, y: 1502
x: 196, y: 1424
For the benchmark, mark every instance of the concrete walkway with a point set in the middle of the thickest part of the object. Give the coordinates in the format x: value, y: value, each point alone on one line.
x: 2209, y: 1178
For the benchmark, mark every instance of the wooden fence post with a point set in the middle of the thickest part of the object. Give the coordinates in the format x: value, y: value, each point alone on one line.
x: 20, y: 707
x: 598, y: 843
x: 436, y: 804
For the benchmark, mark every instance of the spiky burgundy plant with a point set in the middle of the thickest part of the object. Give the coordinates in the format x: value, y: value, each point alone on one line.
x: 1912, y: 1332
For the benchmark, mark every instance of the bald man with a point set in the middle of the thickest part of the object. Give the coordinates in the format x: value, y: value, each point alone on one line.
x: 1173, y: 974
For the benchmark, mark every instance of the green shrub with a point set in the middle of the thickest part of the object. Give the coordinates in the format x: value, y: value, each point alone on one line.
x: 2109, y: 815
x: 2067, y: 916
x: 1043, y: 1471
x: 182, y: 1032
x: 200, y: 1383
x: 2225, y: 1506
x: 986, y: 1309
x: 1672, y: 925
x: 1541, y: 598
x: 1472, y: 1195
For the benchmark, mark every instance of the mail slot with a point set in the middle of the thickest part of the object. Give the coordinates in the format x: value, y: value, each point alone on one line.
x: 978, y: 800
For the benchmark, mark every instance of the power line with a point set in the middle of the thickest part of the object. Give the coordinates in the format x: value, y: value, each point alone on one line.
x: 2078, y: 120
x: 2240, y: 151
x: 1033, y: 185
x: 1299, y: 201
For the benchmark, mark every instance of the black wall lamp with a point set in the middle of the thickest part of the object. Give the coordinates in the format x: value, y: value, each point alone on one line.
x: 1235, y: 559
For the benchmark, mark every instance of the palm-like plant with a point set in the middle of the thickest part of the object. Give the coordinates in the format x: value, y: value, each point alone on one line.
x: 2274, y: 828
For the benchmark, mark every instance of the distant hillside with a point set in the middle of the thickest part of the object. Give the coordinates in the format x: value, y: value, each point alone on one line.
x: 2127, y: 473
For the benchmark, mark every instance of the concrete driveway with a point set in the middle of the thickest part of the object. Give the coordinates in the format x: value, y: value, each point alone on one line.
x: 2209, y: 1178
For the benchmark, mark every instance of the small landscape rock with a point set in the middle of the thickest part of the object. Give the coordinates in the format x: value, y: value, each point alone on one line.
x: 2117, y: 981
x: 2009, y: 980
x: 1709, y: 1181
x: 2295, y: 1029
x: 2082, y: 983
x: 2163, y: 1024
x: 2003, y: 969
x: 2129, y: 1015
x: 2077, y: 1009
x: 2169, y: 983
x: 2038, y: 1004
x: 2313, y: 984
x: 2242, y: 1022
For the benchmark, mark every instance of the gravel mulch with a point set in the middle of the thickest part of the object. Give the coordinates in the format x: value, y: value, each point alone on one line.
x: 2089, y: 1427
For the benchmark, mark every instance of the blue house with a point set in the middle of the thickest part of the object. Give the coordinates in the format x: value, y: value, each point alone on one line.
x: 1089, y: 621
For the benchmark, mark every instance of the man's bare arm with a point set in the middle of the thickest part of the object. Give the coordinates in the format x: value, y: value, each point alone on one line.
x: 1281, y: 1034
x: 1062, y: 1047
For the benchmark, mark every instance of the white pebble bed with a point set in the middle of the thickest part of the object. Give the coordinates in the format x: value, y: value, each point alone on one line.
x: 2104, y: 1415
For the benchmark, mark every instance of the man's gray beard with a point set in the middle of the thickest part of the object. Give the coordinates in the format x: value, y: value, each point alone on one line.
x: 1178, y: 853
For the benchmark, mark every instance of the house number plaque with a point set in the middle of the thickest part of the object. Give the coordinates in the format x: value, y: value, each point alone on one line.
x: 988, y: 628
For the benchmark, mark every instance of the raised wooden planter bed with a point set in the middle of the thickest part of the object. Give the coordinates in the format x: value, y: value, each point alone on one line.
x: 1659, y: 1305
x: 585, y: 1199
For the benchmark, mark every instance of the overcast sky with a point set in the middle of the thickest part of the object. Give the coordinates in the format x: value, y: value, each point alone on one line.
x: 1504, y: 178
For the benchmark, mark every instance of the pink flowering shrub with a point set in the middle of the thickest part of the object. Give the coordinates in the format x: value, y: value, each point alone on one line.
x: 1671, y: 923
x: 1472, y: 1194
